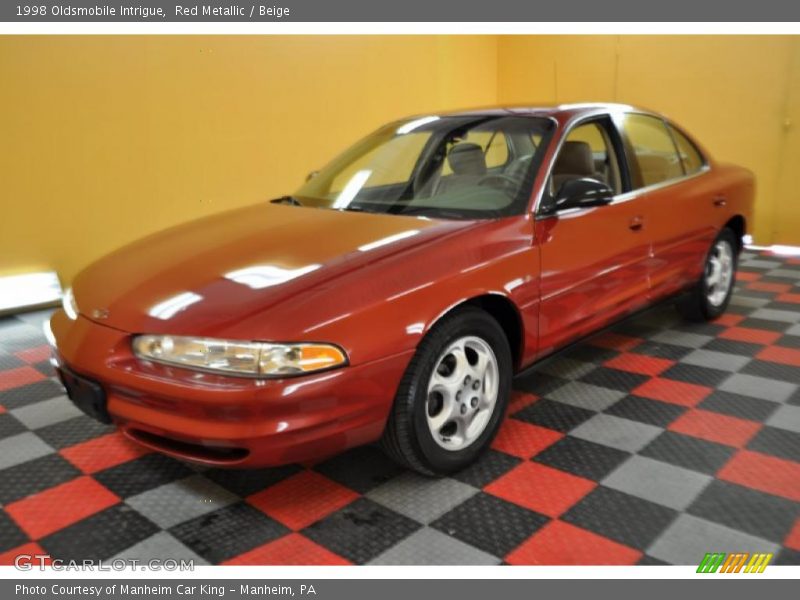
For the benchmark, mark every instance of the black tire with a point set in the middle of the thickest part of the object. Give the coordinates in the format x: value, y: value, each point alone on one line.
x: 407, y: 438
x: 695, y: 304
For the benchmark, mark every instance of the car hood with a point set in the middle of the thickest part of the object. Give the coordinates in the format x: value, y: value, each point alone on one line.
x: 202, y: 277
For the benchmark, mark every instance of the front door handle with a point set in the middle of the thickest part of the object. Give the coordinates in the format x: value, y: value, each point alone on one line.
x: 720, y: 201
x: 636, y: 223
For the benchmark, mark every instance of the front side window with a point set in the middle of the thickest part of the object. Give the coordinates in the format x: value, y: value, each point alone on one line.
x: 655, y: 157
x: 691, y: 158
x: 446, y: 167
x: 587, y: 152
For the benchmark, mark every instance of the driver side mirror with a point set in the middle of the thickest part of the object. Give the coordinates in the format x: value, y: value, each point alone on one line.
x: 580, y: 193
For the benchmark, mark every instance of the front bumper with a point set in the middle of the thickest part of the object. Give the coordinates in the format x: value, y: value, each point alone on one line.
x: 229, y: 421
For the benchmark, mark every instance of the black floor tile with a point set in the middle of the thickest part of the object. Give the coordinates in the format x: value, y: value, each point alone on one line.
x: 736, y: 405
x: 360, y: 469
x: 614, y: 379
x: 745, y: 509
x: 35, y: 476
x: 100, y: 536
x: 645, y: 410
x: 555, y: 415
x: 777, y: 442
x: 489, y: 467
x: 621, y: 517
x: 361, y: 531
x: 220, y: 535
x: 142, y: 474
x: 582, y: 458
x: 491, y: 524
x: 689, y: 452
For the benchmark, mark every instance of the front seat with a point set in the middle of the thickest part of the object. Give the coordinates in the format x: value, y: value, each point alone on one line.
x: 575, y: 161
x: 468, y: 164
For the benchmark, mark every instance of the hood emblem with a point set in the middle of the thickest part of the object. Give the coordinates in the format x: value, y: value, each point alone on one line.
x: 100, y: 313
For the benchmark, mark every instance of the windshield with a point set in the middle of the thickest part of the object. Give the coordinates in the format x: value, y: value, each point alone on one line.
x: 443, y: 167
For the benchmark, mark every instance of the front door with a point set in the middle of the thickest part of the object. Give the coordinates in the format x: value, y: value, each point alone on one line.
x: 593, y: 260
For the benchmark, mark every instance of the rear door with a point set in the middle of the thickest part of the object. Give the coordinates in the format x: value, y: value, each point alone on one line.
x: 667, y: 177
x: 593, y: 260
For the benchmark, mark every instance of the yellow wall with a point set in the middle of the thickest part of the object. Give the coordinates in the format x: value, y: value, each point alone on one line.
x: 731, y: 92
x: 105, y: 139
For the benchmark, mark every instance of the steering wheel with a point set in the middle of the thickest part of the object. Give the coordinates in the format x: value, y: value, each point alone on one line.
x: 504, y: 183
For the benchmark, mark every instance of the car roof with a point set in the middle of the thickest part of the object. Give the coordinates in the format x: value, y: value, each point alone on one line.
x: 559, y: 110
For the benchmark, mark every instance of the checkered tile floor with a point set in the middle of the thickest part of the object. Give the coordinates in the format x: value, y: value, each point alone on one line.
x: 651, y: 443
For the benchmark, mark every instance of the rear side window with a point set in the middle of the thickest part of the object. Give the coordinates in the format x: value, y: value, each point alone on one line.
x: 691, y: 158
x: 654, y: 151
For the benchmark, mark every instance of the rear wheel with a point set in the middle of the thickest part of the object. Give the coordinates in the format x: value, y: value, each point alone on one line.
x: 709, y: 298
x: 452, y: 398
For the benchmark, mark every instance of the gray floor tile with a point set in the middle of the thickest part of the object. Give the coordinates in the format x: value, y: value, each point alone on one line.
x: 786, y: 417
x: 161, y: 546
x: 430, y: 547
x: 181, y: 500
x: 771, y: 314
x: 585, y: 395
x: 688, y: 539
x: 421, y: 498
x: 21, y: 448
x: 758, y: 387
x: 682, y: 338
x: 617, y: 432
x: 722, y: 361
x: 658, y: 482
x: 46, y: 412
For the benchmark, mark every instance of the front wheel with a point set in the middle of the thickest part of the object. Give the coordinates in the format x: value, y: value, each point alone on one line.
x: 709, y: 298
x: 453, y: 396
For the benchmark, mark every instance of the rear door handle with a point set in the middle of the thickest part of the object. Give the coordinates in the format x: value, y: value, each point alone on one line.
x: 720, y: 200
x: 636, y: 223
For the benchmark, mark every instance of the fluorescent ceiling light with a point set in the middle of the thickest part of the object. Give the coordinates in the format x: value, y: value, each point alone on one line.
x: 262, y: 276
x: 388, y: 240
x: 171, y: 306
x: 352, y: 188
x: 28, y: 290
x: 412, y: 125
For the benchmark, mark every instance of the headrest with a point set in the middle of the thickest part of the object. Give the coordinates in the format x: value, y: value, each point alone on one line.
x: 575, y: 158
x: 467, y: 159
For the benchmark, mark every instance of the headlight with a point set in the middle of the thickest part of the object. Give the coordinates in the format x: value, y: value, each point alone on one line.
x: 255, y: 359
x: 69, y: 305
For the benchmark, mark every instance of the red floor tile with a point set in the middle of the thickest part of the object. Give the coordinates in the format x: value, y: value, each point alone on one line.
x: 30, y: 549
x: 674, y: 392
x: 559, y: 543
x: 302, y: 499
x: 292, y: 549
x: 103, y: 452
x: 753, y: 336
x: 640, y: 363
x: 34, y: 355
x: 520, y: 400
x: 2, y: 409
x: 793, y: 298
x: 747, y: 276
x: 20, y: 376
x: 760, y: 286
x: 715, y: 427
x: 793, y: 539
x: 766, y: 473
x: 779, y: 354
x: 729, y: 319
x: 60, y: 506
x: 615, y: 341
x: 541, y: 488
x: 523, y: 439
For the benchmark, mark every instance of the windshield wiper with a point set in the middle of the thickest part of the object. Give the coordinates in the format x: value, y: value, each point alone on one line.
x: 291, y: 200
x: 433, y: 212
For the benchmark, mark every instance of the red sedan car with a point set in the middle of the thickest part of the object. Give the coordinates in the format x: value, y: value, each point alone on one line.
x: 394, y: 296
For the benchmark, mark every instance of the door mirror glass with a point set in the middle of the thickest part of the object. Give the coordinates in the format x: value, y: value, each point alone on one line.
x: 582, y: 193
